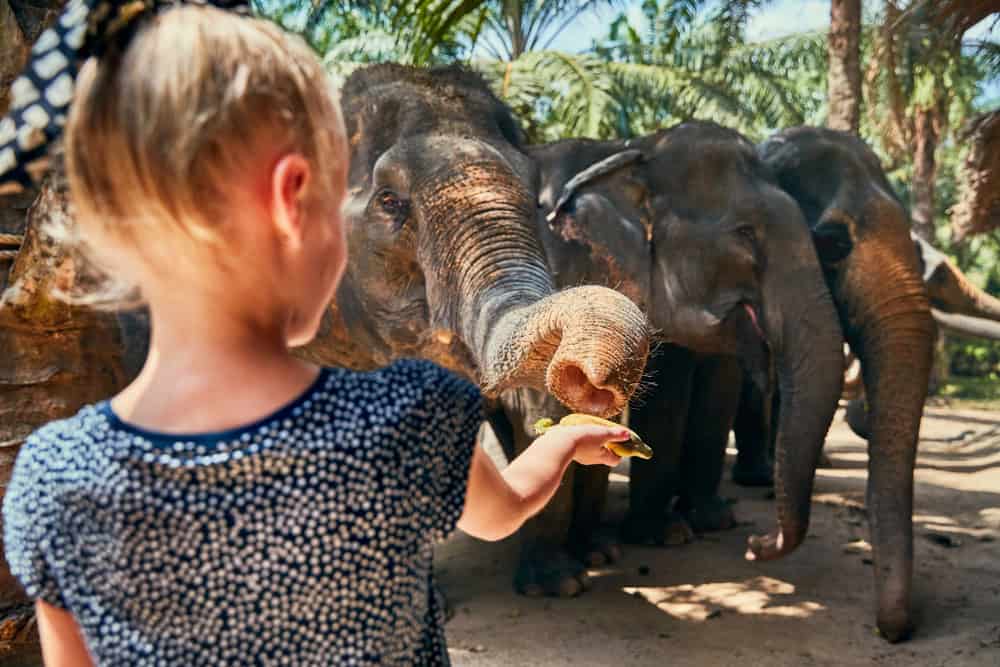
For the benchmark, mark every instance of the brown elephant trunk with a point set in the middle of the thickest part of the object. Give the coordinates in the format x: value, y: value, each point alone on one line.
x: 587, y: 346
x: 809, y: 364
x: 893, y: 338
x: 896, y: 403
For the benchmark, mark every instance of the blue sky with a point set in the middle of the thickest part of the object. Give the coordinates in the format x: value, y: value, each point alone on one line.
x: 777, y: 19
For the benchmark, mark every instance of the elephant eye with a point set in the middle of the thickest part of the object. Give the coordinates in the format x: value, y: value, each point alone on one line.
x: 390, y: 202
x: 748, y: 234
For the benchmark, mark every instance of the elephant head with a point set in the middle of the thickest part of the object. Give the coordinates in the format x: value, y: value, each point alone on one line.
x: 691, y: 221
x: 862, y: 235
x: 445, y: 261
x: 958, y: 306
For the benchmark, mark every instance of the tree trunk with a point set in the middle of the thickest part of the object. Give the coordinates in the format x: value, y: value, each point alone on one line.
x: 978, y: 207
x: 925, y: 141
x: 844, y: 73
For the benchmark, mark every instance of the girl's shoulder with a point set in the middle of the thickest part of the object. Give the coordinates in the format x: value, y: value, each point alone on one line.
x: 59, y: 444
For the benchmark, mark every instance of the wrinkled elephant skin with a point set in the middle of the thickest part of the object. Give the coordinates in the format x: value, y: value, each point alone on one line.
x: 863, y: 238
x: 445, y: 263
x: 689, y: 223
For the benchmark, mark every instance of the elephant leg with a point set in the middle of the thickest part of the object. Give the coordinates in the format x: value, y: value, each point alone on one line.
x: 659, y: 418
x: 715, y: 398
x: 754, y: 436
x: 545, y: 566
x: 594, y: 545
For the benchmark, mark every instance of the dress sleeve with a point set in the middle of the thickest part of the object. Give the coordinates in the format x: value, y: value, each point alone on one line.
x: 28, y: 513
x: 454, y: 413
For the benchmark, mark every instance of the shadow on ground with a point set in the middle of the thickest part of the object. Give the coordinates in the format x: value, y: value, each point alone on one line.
x: 704, y: 605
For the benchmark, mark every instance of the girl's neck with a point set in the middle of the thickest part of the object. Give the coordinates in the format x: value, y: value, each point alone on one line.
x: 210, y: 369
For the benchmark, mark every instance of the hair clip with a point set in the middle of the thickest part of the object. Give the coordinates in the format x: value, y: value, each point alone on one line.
x: 42, y: 94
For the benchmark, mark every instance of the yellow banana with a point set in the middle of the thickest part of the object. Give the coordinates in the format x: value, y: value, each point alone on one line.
x: 634, y: 447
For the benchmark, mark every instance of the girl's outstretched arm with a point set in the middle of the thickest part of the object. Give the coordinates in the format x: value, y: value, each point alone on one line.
x: 62, y: 641
x: 497, y: 503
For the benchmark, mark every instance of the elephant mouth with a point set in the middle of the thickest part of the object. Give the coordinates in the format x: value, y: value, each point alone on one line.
x: 575, y: 388
x: 751, y: 313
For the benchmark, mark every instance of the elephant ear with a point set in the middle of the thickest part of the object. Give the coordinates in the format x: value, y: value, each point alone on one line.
x: 832, y: 238
x: 931, y: 259
x: 595, y: 232
x: 594, y: 172
x: 833, y: 228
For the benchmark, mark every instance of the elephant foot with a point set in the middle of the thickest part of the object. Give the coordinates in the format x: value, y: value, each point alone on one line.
x: 708, y: 514
x: 894, y: 626
x: 547, y: 570
x: 668, y: 529
x: 756, y: 473
x: 597, y: 550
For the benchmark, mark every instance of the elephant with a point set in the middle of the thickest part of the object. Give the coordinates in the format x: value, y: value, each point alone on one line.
x: 862, y: 236
x: 959, y: 308
x: 689, y: 223
x: 445, y: 263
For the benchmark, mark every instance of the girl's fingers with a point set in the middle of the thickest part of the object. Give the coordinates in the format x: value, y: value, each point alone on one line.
x: 593, y: 433
x: 610, y: 458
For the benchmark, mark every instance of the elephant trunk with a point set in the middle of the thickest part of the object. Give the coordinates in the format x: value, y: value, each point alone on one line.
x: 809, y: 364
x: 896, y: 403
x: 893, y: 335
x: 970, y: 299
x: 587, y: 346
x: 964, y: 325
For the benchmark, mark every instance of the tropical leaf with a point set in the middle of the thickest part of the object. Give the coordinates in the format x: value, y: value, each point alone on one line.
x: 573, y: 92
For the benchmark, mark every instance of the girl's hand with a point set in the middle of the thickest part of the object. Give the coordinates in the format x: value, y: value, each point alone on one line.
x: 496, y: 504
x: 586, y: 442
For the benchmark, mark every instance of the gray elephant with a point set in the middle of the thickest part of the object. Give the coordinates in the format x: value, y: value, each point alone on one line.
x: 446, y: 264
x: 862, y: 236
x: 689, y: 223
x: 959, y: 308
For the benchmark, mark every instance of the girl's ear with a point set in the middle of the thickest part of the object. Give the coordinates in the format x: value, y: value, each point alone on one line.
x: 289, y: 184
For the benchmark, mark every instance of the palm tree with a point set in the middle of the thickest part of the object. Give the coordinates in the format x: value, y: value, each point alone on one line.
x: 420, y: 31
x: 512, y: 28
x: 691, y: 60
x: 844, y: 74
x: 920, y: 80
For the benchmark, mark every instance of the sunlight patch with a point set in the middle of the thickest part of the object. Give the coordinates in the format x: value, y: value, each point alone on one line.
x: 699, y: 603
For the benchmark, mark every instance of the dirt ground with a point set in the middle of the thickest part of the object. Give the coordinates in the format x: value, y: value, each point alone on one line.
x: 703, y: 604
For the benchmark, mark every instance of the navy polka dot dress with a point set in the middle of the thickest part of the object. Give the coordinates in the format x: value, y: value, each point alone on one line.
x: 302, y: 539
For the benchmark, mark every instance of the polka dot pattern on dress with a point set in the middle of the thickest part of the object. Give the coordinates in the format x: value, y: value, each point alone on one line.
x: 303, y: 539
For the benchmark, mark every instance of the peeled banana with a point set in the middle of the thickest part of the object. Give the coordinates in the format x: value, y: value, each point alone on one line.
x: 634, y: 447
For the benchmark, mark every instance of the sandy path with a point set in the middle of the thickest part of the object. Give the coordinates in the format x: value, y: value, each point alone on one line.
x: 702, y: 604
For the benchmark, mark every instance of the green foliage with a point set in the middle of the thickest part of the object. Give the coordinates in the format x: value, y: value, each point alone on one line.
x: 419, y: 31
x: 691, y: 59
x: 556, y: 94
x: 513, y: 28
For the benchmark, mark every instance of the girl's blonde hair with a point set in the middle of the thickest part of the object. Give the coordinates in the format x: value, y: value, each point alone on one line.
x: 160, y: 129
